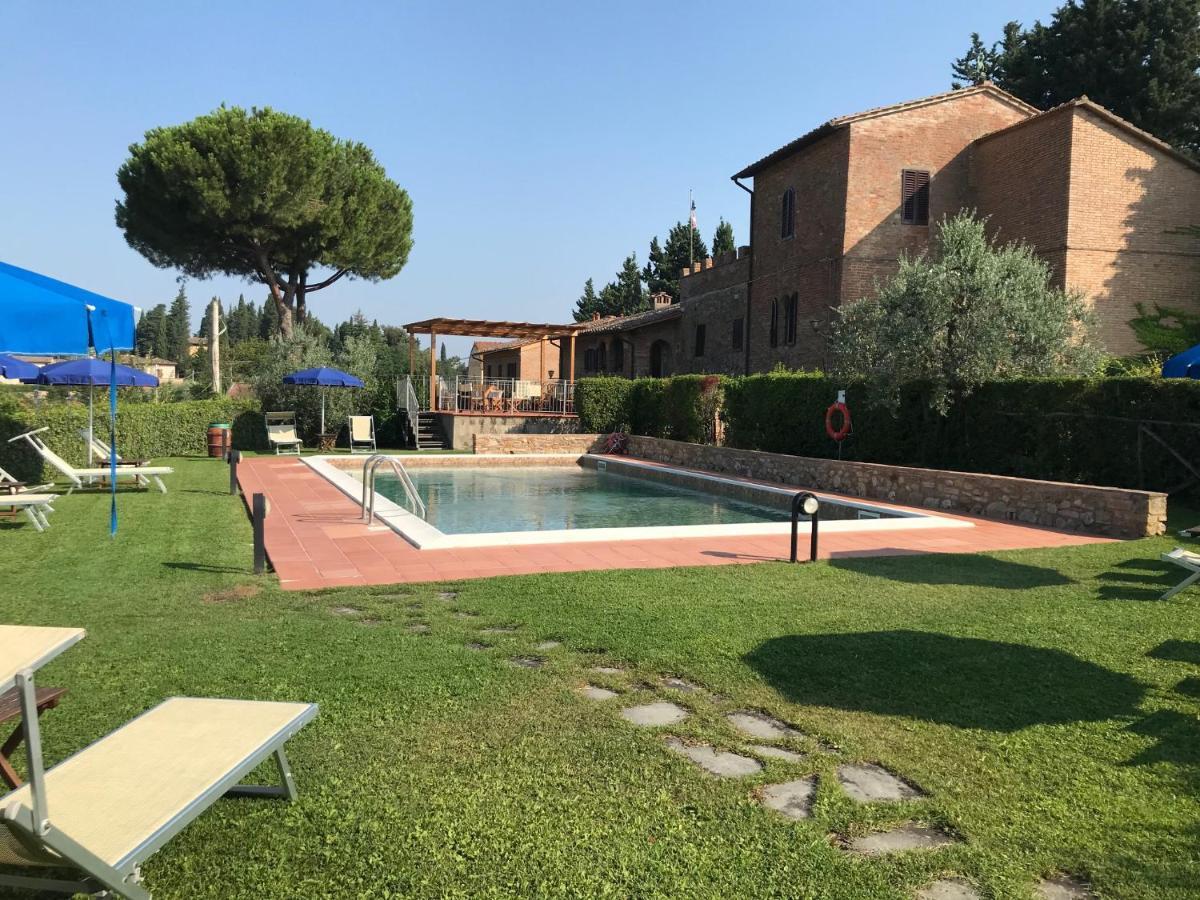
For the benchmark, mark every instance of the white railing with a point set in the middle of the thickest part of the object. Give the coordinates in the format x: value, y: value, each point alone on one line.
x: 501, y: 396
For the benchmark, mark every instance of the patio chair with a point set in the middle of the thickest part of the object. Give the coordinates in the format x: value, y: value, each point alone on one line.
x: 141, y: 475
x: 101, y: 813
x: 281, y: 432
x: 362, y: 434
x: 1189, y: 562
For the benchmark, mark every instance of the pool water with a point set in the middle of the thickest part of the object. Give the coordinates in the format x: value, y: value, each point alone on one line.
x: 552, y: 498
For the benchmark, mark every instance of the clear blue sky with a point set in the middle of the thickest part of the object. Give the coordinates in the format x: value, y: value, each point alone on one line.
x: 540, y: 142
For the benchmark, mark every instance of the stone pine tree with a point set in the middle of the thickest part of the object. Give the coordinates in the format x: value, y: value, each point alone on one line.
x: 665, y: 262
x: 265, y: 196
x: 979, y: 64
x: 1138, y: 58
x: 723, y: 241
x: 967, y: 312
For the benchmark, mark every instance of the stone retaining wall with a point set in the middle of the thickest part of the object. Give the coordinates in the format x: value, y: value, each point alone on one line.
x: 1110, y: 512
x: 538, y: 443
x: 461, y: 429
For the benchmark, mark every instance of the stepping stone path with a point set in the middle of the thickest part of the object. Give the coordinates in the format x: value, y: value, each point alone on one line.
x: 654, y: 715
x: 608, y: 670
x: 680, y: 684
x: 346, y: 611
x: 368, y: 622
x: 466, y: 615
x: 416, y: 604
x: 547, y: 645
x: 594, y: 692
x: 448, y: 596
x: 949, y: 889
x: 499, y: 629
x: 792, y: 798
x: 1061, y: 887
x: 475, y: 645
x: 897, y: 840
x: 790, y: 756
x: 418, y: 628
x: 760, y: 725
x: 721, y: 763
x: 873, y: 784
x: 528, y: 662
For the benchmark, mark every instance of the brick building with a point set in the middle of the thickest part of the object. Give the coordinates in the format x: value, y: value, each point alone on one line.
x: 832, y: 211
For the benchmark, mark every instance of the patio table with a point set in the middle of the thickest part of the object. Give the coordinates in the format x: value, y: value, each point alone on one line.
x: 10, y: 709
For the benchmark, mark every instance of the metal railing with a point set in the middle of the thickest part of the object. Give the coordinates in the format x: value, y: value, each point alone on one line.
x: 510, y: 396
x: 368, y: 496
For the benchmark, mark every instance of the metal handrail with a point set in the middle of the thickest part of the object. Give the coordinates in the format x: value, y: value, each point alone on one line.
x: 368, y: 496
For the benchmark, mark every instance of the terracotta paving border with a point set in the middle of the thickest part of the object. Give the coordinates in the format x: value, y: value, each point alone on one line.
x: 315, y: 540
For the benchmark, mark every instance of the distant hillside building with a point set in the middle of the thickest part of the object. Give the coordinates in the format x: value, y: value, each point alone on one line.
x: 832, y: 211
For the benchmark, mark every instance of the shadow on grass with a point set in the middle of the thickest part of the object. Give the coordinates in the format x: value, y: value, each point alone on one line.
x: 954, y: 568
x: 965, y: 682
x: 1177, y: 651
x: 724, y: 554
x: 1176, y: 736
x: 1137, y: 579
x: 205, y: 567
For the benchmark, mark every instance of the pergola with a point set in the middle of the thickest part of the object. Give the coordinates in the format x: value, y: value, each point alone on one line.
x: 479, y: 328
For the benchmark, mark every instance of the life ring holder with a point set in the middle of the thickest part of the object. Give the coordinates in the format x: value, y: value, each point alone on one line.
x: 840, y: 433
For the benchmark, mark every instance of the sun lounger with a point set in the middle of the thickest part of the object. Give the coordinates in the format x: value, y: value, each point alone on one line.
x: 35, y: 507
x: 362, y: 434
x: 12, y: 485
x: 104, y: 453
x: 101, y: 813
x: 141, y: 475
x: 281, y: 432
x: 1189, y: 562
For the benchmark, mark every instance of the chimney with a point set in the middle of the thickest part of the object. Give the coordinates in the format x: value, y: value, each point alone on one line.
x: 595, y: 317
x: 661, y: 300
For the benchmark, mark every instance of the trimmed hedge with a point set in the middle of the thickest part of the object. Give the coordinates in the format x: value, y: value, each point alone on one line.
x: 672, y: 408
x: 144, y: 430
x: 1076, y: 430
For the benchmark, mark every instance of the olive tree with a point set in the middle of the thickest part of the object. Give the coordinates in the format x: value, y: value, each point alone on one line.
x: 265, y: 196
x: 970, y: 310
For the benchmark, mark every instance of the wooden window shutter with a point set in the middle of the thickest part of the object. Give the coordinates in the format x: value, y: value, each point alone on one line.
x: 914, y: 197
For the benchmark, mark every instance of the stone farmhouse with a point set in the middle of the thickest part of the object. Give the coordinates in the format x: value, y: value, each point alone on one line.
x: 831, y: 212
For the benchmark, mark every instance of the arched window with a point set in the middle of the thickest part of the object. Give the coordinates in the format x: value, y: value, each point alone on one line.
x: 602, y: 358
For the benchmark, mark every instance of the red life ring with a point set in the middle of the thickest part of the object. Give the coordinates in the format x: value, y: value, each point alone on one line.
x: 838, y: 434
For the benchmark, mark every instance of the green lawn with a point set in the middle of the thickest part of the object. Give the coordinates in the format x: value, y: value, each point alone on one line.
x: 1046, y: 705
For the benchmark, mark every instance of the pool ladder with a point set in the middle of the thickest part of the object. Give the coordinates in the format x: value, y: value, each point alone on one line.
x: 368, y: 495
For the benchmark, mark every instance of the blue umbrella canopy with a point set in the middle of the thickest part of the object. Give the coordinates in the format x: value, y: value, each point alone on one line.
x: 43, y: 315
x: 324, y: 377
x: 11, y: 367
x: 90, y: 371
x: 1183, y: 365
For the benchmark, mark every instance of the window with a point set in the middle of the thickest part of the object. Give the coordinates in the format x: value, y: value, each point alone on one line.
x: 512, y: 370
x: 489, y: 371
x: 739, y: 327
x: 787, y: 217
x: 914, y: 197
x: 602, y: 358
x: 700, y: 329
x: 589, y: 359
x: 618, y: 355
x: 789, y: 318
x: 774, y: 323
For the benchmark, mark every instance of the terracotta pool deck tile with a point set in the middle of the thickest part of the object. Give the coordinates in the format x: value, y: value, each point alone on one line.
x: 315, y: 540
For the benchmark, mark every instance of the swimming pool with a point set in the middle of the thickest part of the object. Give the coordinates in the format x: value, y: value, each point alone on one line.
x: 475, y: 501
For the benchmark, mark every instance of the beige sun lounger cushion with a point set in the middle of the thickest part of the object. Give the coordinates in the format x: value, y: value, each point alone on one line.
x: 114, y: 797
x: 29, y: 647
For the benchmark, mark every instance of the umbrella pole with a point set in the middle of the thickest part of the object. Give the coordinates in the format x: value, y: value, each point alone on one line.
x: 91, y: 420
x: 322, y: 412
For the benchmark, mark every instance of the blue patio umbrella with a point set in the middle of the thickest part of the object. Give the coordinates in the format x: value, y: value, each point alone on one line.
x: 91, y: 372
x: 1183, y: 365
x: 11, y: 367
x: 324, y: 378
x: 39, y: 314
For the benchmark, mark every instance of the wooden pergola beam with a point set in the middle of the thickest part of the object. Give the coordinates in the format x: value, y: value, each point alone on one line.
x: 490, y: 328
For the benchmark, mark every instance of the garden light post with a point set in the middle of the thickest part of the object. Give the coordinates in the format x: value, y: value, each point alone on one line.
x: 806, y: 503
